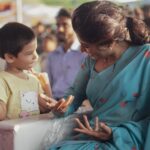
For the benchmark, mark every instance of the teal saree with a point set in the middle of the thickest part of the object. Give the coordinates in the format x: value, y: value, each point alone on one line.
x: 120, y: 96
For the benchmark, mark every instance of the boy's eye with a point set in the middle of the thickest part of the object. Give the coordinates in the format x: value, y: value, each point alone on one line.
x: 29, y: 53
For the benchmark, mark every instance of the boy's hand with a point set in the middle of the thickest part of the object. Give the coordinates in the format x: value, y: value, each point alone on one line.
x: 100, y: 131
x: 46, y: 103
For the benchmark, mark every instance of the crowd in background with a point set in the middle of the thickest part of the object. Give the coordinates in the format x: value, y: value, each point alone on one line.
x: 47, y: 39
x: 47, y: 42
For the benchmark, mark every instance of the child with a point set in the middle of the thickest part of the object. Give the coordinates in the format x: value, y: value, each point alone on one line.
x: 19, y: 90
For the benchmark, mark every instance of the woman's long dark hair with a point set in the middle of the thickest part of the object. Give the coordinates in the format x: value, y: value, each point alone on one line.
x: 105, y: 22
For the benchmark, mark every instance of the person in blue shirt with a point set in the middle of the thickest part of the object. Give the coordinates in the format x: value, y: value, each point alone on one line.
x: 64, y: 63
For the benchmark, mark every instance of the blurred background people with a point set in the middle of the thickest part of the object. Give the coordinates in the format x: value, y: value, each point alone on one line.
x: 146, y: 10
x: 49, y: 44
x: 39, y: 30
x: 64, y: 62
x: 138, y: 13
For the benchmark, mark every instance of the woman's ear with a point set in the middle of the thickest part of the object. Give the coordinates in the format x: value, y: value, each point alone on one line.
x: 9, y: 58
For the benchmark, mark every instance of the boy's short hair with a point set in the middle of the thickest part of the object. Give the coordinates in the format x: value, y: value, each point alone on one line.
x: 13, y: 37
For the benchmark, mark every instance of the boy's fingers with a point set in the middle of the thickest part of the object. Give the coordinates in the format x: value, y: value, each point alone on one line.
x: 48, y: 99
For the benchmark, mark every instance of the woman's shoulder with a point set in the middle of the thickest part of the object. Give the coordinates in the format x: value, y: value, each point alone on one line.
x: 143, y: 47
x: 146, y: 46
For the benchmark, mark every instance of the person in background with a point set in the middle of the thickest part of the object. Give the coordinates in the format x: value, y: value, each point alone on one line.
x: 138, y: 13
x: 20, y: 92
x: 39, y: 30
x: 49, y: 44
x: 146, y: 10
x: 64, y: 63
x: 115, y: 77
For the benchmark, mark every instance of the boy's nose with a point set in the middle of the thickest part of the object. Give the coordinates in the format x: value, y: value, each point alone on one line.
x: 35, y: 56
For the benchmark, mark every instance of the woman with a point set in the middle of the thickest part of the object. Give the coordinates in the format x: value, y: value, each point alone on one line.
x: 115, y: 77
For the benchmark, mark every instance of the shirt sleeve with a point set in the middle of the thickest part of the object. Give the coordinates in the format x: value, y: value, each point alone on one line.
x: 4, y: 91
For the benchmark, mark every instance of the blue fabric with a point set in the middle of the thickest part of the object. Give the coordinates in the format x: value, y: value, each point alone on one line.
x: 147, y: 142
x: 120, y: 96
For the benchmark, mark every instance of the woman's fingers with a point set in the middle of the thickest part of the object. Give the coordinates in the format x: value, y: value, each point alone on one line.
x: 67, y: 102
x: 105, y: 128
x: 63, y: 104
x: 59, y: 104
x: 96, y: 125
x: 80, y: 123
x: 87, y: 124
x: 100, y: 131
x: 81, y: 130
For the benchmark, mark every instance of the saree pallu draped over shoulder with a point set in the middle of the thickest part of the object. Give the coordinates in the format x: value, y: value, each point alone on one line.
x: 120, y: 96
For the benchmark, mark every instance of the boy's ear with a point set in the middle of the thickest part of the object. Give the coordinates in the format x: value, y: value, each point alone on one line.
x: 9, y: 58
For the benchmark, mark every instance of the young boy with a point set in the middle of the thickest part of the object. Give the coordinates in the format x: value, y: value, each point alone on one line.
x: 19, y: 90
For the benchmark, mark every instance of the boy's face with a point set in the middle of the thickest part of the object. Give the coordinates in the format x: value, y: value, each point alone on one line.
x: 27, y: 58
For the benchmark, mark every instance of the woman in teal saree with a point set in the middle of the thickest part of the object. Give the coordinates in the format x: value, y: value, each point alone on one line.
x: 115, y: 77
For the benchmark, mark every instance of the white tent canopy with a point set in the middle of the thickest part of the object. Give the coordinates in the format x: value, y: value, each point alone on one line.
x: 43, y: 12
x: 40, y: 10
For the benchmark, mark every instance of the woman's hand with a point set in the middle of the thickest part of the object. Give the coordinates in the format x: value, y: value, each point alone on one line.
x: 100, y: 131
x: 62, y: 105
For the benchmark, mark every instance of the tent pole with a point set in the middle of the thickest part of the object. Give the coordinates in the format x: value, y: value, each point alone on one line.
x: 19, y: 14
